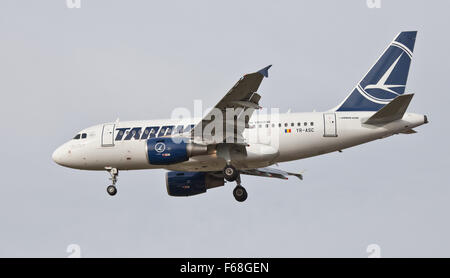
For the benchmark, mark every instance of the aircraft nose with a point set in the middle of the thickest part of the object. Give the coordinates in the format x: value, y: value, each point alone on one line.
x: 57, y: 156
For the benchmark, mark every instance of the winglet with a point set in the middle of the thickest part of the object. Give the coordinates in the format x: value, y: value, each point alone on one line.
x: 265, y: 71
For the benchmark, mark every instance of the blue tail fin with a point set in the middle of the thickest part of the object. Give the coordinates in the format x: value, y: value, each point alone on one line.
x: 386, y: 79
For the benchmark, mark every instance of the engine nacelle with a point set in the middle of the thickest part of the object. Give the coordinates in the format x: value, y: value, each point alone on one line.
x: 163, y: 151
x: 191, y: 183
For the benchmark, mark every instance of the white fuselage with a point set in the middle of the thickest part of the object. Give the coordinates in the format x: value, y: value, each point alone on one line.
x: 301, y: 135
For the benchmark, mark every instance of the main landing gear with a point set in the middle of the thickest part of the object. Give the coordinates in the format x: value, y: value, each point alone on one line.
x: 232, y: 174
x: 112, y: 189
x: 239, y: 193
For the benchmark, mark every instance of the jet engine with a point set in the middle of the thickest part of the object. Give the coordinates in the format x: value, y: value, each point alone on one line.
x: 191, y: 183
x: 170, y: 150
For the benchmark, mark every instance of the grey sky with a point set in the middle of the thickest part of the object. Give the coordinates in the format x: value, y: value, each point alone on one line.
x: 63, y: 69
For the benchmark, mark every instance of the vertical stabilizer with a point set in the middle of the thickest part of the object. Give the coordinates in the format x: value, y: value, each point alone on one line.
x: 386, y: 79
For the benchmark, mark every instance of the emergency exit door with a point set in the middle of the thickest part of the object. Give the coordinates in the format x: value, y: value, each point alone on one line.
x: 108, y: 135
x: 330, y: 128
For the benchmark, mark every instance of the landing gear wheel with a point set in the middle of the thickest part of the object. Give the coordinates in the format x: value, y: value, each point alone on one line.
x: 112, y: 190
x: 240, y: 194
x: 114, y: 172
x: 230, y: 173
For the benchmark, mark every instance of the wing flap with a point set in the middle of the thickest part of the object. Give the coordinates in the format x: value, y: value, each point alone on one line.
x: 271, y: 173
x: 409, y: 131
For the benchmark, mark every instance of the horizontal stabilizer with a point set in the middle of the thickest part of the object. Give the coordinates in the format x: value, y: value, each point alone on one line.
x: 392, y: 111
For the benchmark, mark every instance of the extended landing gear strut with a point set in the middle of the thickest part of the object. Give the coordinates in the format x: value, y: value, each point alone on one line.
x: 112, y: 189
x: 239, y: 192
x: 232, y: 174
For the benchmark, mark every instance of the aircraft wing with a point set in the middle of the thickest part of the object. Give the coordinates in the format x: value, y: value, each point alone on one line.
x: 271, y: 173
x: 243, y: 98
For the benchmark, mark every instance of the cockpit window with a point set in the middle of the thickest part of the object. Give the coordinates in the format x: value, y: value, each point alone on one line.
x: 80, y: 136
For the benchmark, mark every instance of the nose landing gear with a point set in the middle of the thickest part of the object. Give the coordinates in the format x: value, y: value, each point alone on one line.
x: 112, y: 189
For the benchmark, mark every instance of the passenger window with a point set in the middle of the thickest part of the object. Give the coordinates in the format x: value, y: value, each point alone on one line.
x: 311, y: 123
x: 83, y: 136
x: 305, y: 123
x: 77, y: 137
x: 299, y: 124
x: 292, y: 124
x: 279, y: 125
x: 285, y: 124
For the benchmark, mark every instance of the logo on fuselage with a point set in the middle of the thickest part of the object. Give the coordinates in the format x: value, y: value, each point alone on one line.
x: 160, y: 147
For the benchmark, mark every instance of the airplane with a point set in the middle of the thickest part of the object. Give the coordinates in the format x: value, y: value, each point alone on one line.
x: 232, y: 140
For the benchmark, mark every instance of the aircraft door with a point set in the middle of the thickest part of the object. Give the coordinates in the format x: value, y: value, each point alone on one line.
x: 330, y: 128
x: 108, y: 135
